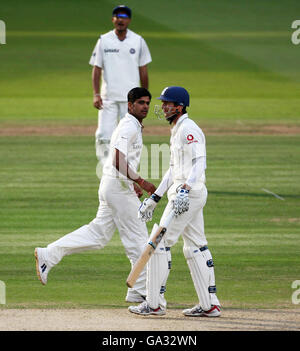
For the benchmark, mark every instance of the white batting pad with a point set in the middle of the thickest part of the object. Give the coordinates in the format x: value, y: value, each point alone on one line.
x: 162, y: 300
x: 200, y: 272
x: 157, y: 275
x: 154, y: 229
x: 212, y: 280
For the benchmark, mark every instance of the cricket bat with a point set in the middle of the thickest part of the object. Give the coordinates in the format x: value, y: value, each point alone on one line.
x: 154, y: 240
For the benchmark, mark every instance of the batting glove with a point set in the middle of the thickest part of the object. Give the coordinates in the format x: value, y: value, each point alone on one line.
x: 181, y: 202
x: 147, y: 207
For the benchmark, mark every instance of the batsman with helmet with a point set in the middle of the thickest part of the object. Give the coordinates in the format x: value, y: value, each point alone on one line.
x: 187, y: 194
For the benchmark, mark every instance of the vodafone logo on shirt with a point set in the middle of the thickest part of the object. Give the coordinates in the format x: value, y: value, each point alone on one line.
x: 190, y: 139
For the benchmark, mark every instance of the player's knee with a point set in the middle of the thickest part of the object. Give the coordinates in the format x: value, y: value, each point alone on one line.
x: 190, y: 252
x: 200, y: 254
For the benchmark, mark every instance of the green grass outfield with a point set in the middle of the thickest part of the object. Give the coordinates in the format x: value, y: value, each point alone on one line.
x: 237, y: 60
x: 48, y: 188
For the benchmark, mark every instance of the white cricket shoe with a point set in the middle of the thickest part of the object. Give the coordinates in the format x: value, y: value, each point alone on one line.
x: 134, y: 296
x: 145, y: 310
x: 197, y: 311
x: 42, y: 268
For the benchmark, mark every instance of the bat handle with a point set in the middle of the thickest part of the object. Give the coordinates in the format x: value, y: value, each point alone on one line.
x: 167, y: 221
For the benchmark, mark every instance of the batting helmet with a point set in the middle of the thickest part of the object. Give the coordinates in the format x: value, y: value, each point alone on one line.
x: 175, y: 94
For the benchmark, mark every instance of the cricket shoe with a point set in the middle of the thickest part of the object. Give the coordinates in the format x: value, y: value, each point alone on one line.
x: 134, y: 296
x: 42, y: 268
x: 145, y: 310
x: 197, y: 311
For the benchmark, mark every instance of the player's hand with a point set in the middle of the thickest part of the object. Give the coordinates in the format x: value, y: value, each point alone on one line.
x: 146, y: 209
x: 97, y: 102
x: 147, y: 186
x: 181, y: 202
x: 138, y: 190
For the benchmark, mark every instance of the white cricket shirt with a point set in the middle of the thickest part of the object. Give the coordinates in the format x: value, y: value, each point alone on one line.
x: 128, y: 139
x: 120, y: 62
x: 187, y: 143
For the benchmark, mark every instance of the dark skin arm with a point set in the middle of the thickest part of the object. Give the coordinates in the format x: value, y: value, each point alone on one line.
x: 144, y: 76
x: 122, y: 166
x: 96, y: 76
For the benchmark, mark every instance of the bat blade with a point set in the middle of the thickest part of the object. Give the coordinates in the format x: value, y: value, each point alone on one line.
x: 145, y: 256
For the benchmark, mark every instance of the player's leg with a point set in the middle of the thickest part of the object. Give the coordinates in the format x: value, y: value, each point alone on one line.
x: 200, y: 262
x: 107, y: 122
x: 123, y: 109
x: 163, y: 287
x: 122, y: 198
x: 203, y: 276
x: 175, y: 229
x: 157, y: 274
x: 93, y: 236
x: 158, y: 267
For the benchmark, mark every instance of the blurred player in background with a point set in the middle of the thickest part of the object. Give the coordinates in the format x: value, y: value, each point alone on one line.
x: 118, y: 201
x: 119, y: 61
x: 187, y: 194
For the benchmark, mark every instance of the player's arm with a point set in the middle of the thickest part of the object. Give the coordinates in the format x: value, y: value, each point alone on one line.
x: 195, y: 140
x: 96, y: 76
x: 198, y: 168
x: 146, y: 209
x: 96, y: 61
x: 144, y: 60
x: 164, y: 185
x: 119, y: 161
x: 144, y: 79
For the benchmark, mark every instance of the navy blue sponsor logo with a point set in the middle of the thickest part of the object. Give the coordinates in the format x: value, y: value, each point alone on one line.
x: 132, y: 51
x: 111, y: 50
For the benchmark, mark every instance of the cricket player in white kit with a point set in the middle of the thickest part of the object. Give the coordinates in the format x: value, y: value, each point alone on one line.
x: 187, y: 194
x: 119, y: 60
x: 118, y: 201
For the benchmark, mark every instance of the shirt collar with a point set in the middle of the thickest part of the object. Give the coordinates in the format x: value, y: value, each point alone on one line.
x: 180, y: 120
x: 136, y: 121
x: 128, y: 31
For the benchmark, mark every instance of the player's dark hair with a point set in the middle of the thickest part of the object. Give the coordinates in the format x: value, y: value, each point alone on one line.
x: 137, y: 93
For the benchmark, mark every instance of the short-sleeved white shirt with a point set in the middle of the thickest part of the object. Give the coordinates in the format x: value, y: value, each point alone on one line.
x: 187, y: 143
x: 128, y: 139
x: 120, y: 62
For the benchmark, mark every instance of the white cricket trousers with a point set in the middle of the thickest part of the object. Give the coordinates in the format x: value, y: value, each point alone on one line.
x: 118, y: 207
x: 108, y: 119
x: 190, y: 225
